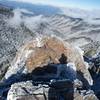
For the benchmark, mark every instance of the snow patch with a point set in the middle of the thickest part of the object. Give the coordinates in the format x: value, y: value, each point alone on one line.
x: 72, y: 66
x: 80, y: 50
x: 18, y: 65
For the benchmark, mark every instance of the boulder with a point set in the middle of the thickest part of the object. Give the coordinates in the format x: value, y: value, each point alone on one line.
x: 59, y: 89
x: 44, y: 51
x: 85, y: 95
x: 4, y: 65
x: 27, y: 91
x: 53, y: 51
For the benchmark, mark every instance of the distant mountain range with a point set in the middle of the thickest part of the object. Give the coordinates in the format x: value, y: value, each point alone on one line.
x: 48, y: 10
x: 36, y: 8
x: 70, y: 24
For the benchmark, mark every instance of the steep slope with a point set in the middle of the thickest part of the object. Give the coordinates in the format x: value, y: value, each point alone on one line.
x: 19, y: 26
x: 10, y: 39
x: 46, y: 60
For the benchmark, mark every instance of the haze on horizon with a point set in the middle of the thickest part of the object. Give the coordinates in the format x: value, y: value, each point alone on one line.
x: 83, y: 4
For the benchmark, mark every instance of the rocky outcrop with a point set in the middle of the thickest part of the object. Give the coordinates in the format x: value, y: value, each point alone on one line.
x: 10, y: 39
x: 48, y: 50
x: 91, y: 49
x: 94, y: 69
x: 52, y: 50
x: 27, y: 91
x: 86, y: 95
x: 47, y: 59
x: 3, y: 68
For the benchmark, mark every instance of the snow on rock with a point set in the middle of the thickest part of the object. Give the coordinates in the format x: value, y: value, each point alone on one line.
x: 18, y: 64
x: 52, y: 51
x: 25, y: 90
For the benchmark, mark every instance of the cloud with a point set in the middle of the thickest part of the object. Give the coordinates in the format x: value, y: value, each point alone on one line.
x: 31, y: 22
x: 34, y: 22
x: 16, y: 19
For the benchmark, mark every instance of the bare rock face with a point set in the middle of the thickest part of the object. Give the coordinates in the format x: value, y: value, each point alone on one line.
x: 26, y: 91
x: 52, y: 50
x: 47, y: 50
x: 86, y: 95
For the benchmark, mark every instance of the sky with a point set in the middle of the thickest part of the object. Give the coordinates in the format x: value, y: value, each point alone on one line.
x: 84, y: 4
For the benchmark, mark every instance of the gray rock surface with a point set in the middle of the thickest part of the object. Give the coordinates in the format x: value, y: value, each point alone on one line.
x: 27, y: 91
x: 85, y: 95
x: 31, y: 57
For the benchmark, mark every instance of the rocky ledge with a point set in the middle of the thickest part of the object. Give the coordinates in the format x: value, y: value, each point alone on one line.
x: 48, y: 68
